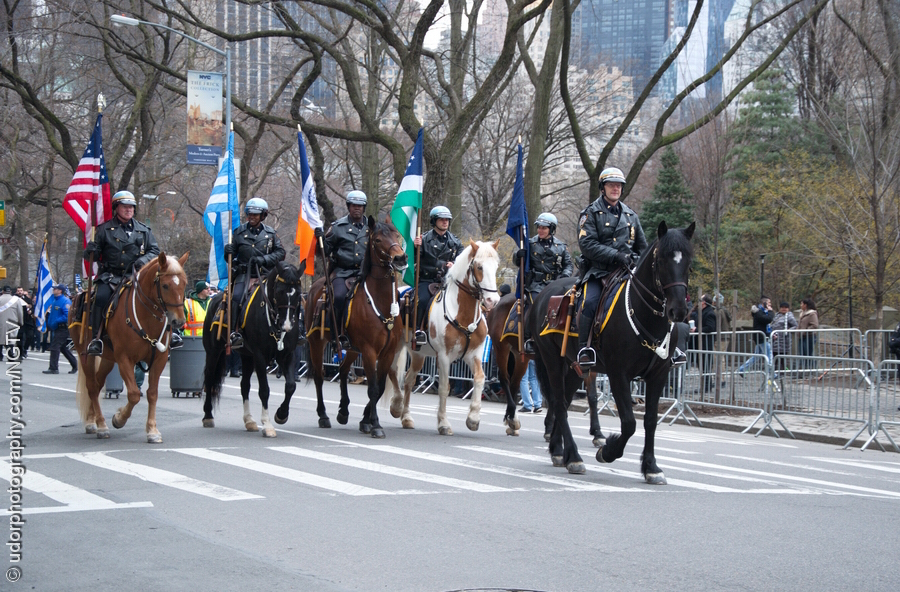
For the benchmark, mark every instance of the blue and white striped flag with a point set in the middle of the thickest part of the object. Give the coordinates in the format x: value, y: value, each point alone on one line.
x: 44, y: 290
x: 221, y: 211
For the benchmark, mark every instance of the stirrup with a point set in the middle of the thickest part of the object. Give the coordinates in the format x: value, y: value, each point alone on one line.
x: 421, y: 337
x: 678, y: 358
x: 529, y: 347
x: 587, y: 358
x: 237, y: 340
x: 95, y: 347
x: 176, y: 341
x: 344, y: 341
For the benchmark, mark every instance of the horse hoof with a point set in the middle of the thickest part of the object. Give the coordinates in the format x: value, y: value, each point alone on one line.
x: 251, y: 426
x: 472, y: 424
x: 557, y: 461
x: 364, y: 427
x: 342, y: 418
x: 280, y: 420
x: 324, y: 422
x: 655, y: 478
x: 408, y: 424
x: 209, y: 423
x: 511, y: 432
x: 546, y: 437
x: 576, y: 468
x: 116, y: 422
x: 514, y: 424
x: 378, y: 433
x: 599, y: 441
x: 90, y: 429
x: 154, y: 438
x: 103, y: 434
x: 445, y: 431
x: 396, y: 411
x: 268, y: 432
x: 600, y: 458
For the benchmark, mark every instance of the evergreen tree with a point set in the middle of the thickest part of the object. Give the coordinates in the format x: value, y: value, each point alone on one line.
x: 671, y: 199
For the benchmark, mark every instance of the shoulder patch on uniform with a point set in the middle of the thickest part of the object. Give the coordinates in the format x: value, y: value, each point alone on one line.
x: 582, y: 220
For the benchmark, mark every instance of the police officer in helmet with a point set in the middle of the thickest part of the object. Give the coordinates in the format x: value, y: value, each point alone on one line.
x: 550, y: 260
x: 439, y: 248
x: 345, y: 246
x: 120, y: 245
x: 255, y: 249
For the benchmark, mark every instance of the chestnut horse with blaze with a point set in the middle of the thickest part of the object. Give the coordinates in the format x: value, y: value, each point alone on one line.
x: 138, y: 330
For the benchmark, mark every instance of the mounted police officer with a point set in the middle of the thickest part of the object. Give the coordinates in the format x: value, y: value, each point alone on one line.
x: 550, y: 260
x: 610, y: 237
x: 120, y: 245
x: 255, y: 249
x: 345, y: 246
x: 439, y: 248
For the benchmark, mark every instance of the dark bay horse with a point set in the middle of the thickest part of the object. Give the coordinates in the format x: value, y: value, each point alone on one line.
x: 635, y: 341
x: 137, y: 331
x: 271, y: 328
x: 373, y: 326
x: 511, y: 368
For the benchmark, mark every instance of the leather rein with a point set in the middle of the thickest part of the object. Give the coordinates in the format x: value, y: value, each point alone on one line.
x: 657, y: 295
x: 138, y: 296
x: 476, y: 291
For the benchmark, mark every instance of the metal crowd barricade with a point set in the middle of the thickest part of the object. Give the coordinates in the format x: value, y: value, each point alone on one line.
x: 885, y: 407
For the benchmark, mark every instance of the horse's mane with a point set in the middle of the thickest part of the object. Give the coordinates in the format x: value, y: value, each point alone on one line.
x: 380, y: 228
x: 460, y: 267
x: 289, y: 274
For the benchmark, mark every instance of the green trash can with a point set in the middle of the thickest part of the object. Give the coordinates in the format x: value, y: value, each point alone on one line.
x: 186, y: 366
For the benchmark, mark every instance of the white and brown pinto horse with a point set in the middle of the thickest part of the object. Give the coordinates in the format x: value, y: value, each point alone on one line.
x: 456, y: 329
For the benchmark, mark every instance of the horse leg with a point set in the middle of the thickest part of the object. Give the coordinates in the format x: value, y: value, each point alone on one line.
x: 260, y: 364
x: 511, y: 388
x: 213, y: 375
x: 443, y: 364
x: 615, y: 443
x: 591, y: 388
x: 369, y: 423
x: 400, y: 401
x: 563, y: 451
x: 126, y: 369
x: 290, y: 385
x: 153, y: 435
x: 549, y: 422
x: 473, y: 419
x: 246, y: 370
x: 344, y: 407
x: 88, y: 397
x: 317, y: 369
x: 649, y: 469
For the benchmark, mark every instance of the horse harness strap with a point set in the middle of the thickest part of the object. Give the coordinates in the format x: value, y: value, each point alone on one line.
x: 136, y: 292
x: 388, y: 322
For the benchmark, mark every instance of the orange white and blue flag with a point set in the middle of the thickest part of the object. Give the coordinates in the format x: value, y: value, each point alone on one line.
x: 309, y: 218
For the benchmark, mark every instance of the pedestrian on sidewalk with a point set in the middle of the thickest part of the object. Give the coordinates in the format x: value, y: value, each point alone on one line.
x: 58, y: 323
x: 530, y: 391
x: 783, y: 322
x: 762, y: 319
x: 806, y: 341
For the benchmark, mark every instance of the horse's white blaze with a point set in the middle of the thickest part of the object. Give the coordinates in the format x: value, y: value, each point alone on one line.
x: 677, y: 256
x: 176, y: 280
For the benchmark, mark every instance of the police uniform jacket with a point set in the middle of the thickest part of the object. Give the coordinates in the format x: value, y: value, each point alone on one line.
x: 58, y: 311
x: 606, y: 231
x: 434, y: 254
x: 123, y: 245
x: 550, y: 261
x: 345, y: 245
x: 258, y: 241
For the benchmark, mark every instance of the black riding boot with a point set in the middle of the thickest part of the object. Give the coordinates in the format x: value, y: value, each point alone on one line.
x: 680, y: 334
x: 176, y: 341
x: 587, y: 356
x: 95, y: 347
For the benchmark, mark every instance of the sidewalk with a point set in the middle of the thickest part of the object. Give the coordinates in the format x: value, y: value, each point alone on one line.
x: 815, y: 429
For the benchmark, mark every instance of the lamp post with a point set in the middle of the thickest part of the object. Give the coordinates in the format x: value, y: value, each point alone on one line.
x: 121, y: 19
x: 762, y: 270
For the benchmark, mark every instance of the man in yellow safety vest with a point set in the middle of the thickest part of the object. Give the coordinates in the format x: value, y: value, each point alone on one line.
x: 195, y: 309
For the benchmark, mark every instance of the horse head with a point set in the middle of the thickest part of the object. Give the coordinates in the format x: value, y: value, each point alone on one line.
x: 476, y: 268
x: 285, y: 293
x: 670, y: 261
x: 385, y: 248
x: 164, y: 278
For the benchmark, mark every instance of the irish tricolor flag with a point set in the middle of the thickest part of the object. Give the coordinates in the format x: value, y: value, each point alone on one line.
x: 405, y: 211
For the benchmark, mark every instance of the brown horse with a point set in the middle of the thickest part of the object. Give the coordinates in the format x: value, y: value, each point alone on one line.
x: 373, y: 327
x: 136, y: 331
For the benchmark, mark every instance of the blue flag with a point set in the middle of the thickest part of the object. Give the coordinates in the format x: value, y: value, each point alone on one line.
x: 44, y: 290
x: 222, y: 215
x: 517, y: 225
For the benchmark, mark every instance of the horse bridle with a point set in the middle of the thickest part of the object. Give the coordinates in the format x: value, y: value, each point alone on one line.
x: 476, y: 291
x: 137, y: 293
x: 637, y: 327
x: 386, y: 261
x: 272, y: 304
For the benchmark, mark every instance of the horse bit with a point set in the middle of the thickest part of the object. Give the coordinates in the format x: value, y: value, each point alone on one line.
x: 387, y: 262
x: 660, y: 347
x: 136, y: 293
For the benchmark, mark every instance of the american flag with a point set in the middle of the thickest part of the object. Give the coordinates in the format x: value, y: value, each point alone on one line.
x: 89, y: 187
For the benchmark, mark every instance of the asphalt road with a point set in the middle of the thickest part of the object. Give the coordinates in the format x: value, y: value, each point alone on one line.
x: 332, y: 509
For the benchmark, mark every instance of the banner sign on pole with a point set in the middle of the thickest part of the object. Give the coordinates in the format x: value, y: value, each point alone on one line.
x: 205, y: 129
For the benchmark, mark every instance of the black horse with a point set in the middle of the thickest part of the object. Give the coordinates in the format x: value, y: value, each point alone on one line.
x: 636, y: 341
x: 271, y: 327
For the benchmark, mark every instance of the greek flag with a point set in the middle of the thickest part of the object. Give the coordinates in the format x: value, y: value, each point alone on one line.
x: 44, y: 290
x: 221, y: 217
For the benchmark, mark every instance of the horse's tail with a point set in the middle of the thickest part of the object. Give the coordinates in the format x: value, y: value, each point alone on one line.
x: 82, y: 399
x: 214, y: 370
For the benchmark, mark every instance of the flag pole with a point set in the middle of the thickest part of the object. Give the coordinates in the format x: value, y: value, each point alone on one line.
x: 85, y: 312
x: 415, y: 311
x: 519, y: 306
x: 228, y: 289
